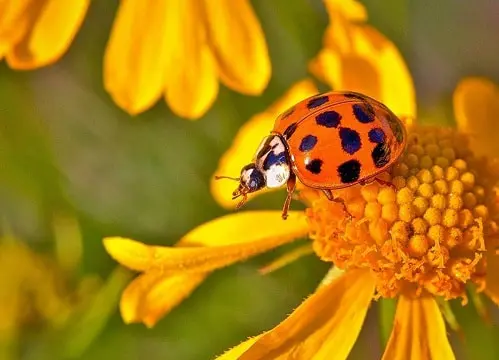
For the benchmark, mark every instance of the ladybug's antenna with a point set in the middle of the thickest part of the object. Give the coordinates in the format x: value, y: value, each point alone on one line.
x: 226, y: 177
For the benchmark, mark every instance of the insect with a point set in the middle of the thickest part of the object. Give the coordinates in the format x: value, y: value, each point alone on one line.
x: 328, y: 141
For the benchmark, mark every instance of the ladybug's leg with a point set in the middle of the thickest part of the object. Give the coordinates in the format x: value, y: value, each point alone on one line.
x: 330, y: 197
x: 385, y: 183
x: 379, y: 181
x: 290, y: 185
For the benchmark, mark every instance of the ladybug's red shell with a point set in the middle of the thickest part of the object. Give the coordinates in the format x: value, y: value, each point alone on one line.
x: 338, y: 139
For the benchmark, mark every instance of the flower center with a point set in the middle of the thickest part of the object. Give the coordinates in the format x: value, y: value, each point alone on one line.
x: 427, y: 233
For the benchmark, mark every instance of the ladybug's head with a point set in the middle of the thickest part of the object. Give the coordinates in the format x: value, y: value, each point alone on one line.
x: 270, y: 168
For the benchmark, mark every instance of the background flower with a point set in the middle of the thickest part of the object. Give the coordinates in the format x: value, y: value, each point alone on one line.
x: 182, y: 49
x: 35, y: 33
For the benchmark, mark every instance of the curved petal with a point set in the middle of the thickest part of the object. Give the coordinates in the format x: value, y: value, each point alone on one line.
x: 492, y: 279
x: 418, y: 332
x: 192, y: 75
x: 215, y: 244
x: 13, y: 23
x: 325, y: 326
x: 351, y: 10
x: 51, y: 26
x: 236, y: 352
x: 359, y: 58
x: 152, y: 295
x: 249, y: 137
x: 137, y: 54
x: 476, y: 107
x: 239, y: 45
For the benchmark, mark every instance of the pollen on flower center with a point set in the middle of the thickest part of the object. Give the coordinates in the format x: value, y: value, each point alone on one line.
x: 427, y: 233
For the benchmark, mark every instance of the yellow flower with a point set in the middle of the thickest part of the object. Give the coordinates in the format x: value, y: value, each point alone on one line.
x: 431, y: 237
x: 180, y: 50
x: 357, y: 57
x: 35, y: 33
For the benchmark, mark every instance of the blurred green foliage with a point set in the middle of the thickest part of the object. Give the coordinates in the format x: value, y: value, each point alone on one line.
x: 65, y: 147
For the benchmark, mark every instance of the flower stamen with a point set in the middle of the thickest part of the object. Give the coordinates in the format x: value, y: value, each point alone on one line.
x: 425, y: 234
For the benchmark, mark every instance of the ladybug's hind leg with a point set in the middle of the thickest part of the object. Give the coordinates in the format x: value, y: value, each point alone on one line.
x: 291, y: 186
x: 379, y: 181
x: 330, y: 197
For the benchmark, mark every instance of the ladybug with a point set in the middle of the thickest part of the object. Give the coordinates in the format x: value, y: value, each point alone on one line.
x: 328, y: 141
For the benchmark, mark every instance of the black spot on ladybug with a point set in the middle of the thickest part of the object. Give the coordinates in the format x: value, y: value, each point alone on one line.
x: 354, y: 95
x: 287, y: 113
x: 314, y: 166
x: 318, y: 101
x: 364, y: 112
x: 274, y: 159
x: 290, y: 130
x: 350, y: 140
x: 329, y: 119
x: 376, y: 135
x: 308, y: 143
x: 381, y: 155
x: 349, y: 171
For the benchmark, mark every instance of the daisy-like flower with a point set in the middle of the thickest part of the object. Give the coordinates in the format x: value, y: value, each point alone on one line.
x: 35, y: 33
x: 181, y: 50
x: 431, y: 238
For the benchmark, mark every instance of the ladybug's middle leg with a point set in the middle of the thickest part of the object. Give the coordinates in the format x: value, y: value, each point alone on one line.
x: 290, y: 185
x: 330, y: 197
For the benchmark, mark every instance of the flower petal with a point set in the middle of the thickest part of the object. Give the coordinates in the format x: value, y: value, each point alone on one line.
x: 152, y: 295
x: 192, y: 76
x: 51, y: 27
x: 492, y: 279
x: 325, y: 326
x: 213, y: 245
x: 137, y: 54
x: 239, y: 45
x: 351, y: 10
x: 13, y: 23
x: 249, y: 137
x: 359, y: 58
x: 238, y: 350
x: 476, y: 107
x: 418, y: 331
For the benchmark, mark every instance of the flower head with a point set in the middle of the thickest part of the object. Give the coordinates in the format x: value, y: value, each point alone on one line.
x: 35, y: 33
x: 431, y: 235
x: 180, y: 50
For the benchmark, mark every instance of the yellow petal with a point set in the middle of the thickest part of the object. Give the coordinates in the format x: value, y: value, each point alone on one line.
x: 325, y: 326
x: 137, y: 54
x: 239, y: 45
x: 249, y: 137
x: 492, y: 278
x: 51, y: 26
x: 215, y: 244
x: 418, y: 332
x: 13, y: 23
x: 152, y: 295
x: 237, y: 351
x: 192, y: 76
x: 359, y: 58
x: 351, y: 10
x: 476, y: 107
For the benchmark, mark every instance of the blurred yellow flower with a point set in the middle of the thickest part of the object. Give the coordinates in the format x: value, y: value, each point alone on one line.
x: 35, y: 33
x: 433, y: 235
x: 180, y: 50
x: 357, y: 57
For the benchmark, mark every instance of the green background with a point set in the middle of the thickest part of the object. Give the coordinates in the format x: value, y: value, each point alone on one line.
x: 65, y: 147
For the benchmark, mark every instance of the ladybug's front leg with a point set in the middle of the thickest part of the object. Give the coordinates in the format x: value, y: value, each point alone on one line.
x: 290, y: 185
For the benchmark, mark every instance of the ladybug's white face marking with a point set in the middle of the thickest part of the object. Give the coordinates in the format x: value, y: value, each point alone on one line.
x: 273, y: 161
